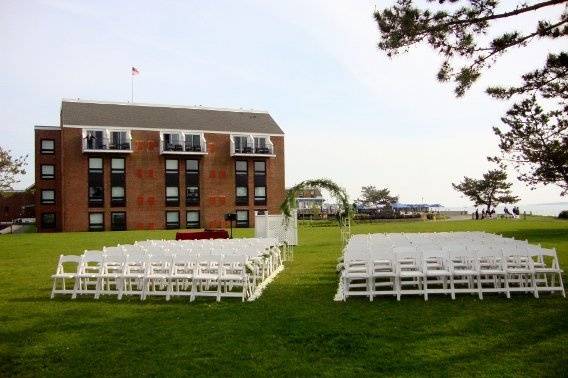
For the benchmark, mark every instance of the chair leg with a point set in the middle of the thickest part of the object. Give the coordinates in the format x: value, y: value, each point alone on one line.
x: 506, y: 281
x: 535, y: 287
x: 53, y: 288
x: 562, y: 285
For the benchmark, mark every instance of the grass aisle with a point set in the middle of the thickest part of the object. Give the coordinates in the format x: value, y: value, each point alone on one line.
x: 294, y: 329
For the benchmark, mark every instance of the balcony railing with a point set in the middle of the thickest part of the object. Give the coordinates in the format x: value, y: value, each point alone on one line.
x: 251, y: 148
x: 182, y: 148
x: 106, y: 145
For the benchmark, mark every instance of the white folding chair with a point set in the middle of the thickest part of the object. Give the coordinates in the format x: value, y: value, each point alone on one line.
x: 206, y: 276
x: 133, y: 274
x: 182, y: 271
x: 546, y: 269
x: 382, y: 276
x: 62, y: 274
x: 156, y: 274
x: 519, y: 271
x: 234, y: 275
x: 112, y: 274
x: 493, y: 275
x: 409, y: 271
x: 437, y: 272
x: 466, y: 276
x: 89, y: 274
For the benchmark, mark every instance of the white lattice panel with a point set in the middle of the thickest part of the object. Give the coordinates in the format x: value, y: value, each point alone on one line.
x: 276, y: 226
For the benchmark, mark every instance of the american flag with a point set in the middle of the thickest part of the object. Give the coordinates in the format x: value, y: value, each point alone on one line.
x: 135, y: 71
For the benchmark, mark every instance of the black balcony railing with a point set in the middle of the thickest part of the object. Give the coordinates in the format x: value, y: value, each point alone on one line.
x: 181, y: 147
x: 256, y: 150
x: 104, y: 144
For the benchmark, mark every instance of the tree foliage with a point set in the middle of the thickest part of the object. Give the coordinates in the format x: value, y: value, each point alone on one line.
x: 338, y: 193
x: 491, y: 190
x: 10, y: 168
x: 462, y: 32
x: 536, y: 143
x: 370, y: 195
x: 536, y: 140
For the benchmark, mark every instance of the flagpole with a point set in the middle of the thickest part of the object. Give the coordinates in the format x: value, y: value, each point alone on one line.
x: 131, y: 88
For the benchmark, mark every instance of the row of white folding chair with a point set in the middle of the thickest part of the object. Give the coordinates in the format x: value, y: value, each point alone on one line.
x: 115, y: 254
x: 98, y: 274
x: 509, y: 267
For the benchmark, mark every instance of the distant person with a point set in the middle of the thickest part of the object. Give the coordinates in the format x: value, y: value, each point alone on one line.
x: 90, y: 141
x: 483, y: 214
x: 476, y: 213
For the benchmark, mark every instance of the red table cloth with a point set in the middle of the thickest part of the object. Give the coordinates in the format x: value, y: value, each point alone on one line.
x: 206, y: 234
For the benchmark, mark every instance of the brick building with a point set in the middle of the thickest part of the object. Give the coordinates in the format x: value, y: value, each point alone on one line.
x: 16, y: 204
x: 116, y: 166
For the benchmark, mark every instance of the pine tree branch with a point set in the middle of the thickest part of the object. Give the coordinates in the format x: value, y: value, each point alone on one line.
x: 497, y: 16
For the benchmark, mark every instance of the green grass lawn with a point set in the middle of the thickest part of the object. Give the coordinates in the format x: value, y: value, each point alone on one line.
x: 294, y: 329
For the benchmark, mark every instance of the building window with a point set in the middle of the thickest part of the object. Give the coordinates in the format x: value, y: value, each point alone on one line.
x: 96, y: 183
x: 118, y: 221
x: 172, y: 183
x: 192, y: 182
x: 172, y: 219
x: 172, y: 142
x: 193, y: 142
x: 118, y: 182
x: 47, y: 171
x: 241, y: 182
x: 260, y: 183
x: 242, y: 218
x: 242, y: 144
x: 192, y: 218
x: 260, y: 146
x: 48, y: 196
x: 119, y: 140
x: 172, y: 196
x: 48, y: 220
x: 96, y: 222
x: 47, y: 146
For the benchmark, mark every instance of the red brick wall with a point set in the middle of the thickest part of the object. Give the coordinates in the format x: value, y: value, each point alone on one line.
x: 16, y: 205
x: 145, y: 182
x: 54, y: 159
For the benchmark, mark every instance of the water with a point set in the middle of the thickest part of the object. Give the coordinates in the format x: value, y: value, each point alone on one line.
x: 548, y: 209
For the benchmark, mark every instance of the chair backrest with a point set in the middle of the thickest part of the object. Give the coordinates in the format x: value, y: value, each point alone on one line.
x: 113, y: 250
x: 92, y: 258
x: 135, y: 256
x: 434, y: 254
x: 68, y: 259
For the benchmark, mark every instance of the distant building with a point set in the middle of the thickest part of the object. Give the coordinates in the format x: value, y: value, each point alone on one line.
x: 124, y: 166
x: 310, y: 202
x: 16, y: 204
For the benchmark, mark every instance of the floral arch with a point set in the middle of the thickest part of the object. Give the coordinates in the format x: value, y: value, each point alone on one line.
x: 337, y: 192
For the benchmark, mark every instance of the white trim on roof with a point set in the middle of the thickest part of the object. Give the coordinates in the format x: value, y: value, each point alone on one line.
x: 38, y: 127
x: 166, y: 129
x: 79, y: 101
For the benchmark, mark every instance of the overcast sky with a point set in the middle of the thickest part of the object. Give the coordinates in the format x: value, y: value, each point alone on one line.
x: 349, y: 112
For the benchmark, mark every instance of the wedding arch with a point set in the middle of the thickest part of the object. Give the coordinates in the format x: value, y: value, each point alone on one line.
x: 339, y: 194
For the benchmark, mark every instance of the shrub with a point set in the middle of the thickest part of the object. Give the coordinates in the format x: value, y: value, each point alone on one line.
x: 563, y: 214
